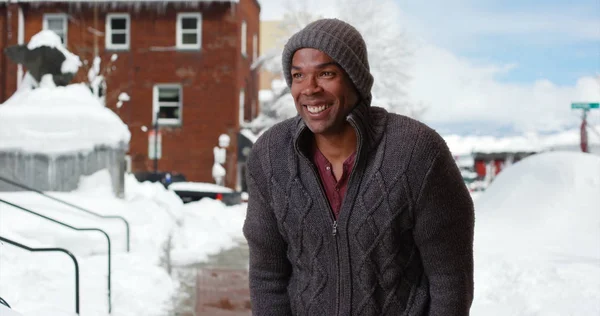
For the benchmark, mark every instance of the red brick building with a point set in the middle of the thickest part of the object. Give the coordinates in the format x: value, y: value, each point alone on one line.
x: 188, y: 60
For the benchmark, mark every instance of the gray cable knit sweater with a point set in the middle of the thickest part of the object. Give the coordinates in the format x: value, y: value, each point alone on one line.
x: 403, y: 244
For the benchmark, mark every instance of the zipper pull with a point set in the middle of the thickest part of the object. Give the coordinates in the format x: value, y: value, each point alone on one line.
x: 334, y: 228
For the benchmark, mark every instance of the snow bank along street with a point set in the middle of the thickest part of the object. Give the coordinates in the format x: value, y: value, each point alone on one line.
x: 537, y: 243
x: 43, y: 283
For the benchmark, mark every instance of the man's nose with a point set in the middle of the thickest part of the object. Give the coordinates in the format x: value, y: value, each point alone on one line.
x: 311, y: 86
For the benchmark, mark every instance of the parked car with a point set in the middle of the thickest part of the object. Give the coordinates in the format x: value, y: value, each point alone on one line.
x: 195, y: 191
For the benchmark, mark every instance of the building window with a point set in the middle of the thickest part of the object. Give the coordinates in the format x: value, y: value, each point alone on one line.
x: 242, y: 111
x: 117, y: 31
x: 167, y: 103
x: 189, y: 30
x: 58, y: 24
x: 244, y: 27
x: 254, y: 47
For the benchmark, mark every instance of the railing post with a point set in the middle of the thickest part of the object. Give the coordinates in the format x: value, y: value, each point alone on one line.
x: 22, y: 186
x: 14, y: 243
x: 78, y: 229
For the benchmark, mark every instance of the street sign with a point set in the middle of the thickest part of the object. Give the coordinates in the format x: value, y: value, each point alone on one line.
x: 585, y: 105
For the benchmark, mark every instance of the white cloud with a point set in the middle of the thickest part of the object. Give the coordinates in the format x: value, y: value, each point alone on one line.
x: 458, y: 90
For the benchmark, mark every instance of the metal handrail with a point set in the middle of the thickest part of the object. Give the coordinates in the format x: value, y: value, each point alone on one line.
x: 3, y: 302
x: 22, y: 186
x: 73, y: 228
x: 14, y: 243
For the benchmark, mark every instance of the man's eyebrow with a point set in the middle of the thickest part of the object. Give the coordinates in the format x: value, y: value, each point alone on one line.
x: 320, y: 66
x: 331, y: 63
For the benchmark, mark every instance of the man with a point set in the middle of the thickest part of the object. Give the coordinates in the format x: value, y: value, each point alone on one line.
x: 353, y: 210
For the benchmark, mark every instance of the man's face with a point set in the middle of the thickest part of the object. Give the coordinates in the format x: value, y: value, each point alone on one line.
x: 322, y: 91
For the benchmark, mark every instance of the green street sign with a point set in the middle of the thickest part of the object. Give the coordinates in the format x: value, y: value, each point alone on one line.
x: 585, y: 105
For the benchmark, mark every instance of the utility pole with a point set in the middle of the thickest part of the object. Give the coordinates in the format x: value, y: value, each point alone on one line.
x: 584, y: 136
x: 585, y: 107
x: 156, y: 141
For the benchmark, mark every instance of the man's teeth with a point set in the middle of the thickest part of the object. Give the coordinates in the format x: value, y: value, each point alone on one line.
x: 316, y: 109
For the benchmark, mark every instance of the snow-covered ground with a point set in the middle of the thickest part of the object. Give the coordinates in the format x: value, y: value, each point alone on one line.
x: 43, y: 283
x: 537, y: 238
x: 537, y: 243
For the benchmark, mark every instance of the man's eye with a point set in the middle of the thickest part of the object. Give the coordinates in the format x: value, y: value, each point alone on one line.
x: 296, y: 75
x: 327, y: 74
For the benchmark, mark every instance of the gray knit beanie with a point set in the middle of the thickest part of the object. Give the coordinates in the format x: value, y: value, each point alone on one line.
x: 340, y: 41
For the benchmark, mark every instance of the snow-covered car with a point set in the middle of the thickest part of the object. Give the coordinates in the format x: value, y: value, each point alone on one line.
x: 195, y: 191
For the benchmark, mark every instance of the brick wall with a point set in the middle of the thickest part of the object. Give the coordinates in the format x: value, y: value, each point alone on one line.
x: 8, y: 37
x: 211, y: 78
x: 3, y: 59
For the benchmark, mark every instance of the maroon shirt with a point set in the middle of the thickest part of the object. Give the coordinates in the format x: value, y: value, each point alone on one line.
x: 334, y: 189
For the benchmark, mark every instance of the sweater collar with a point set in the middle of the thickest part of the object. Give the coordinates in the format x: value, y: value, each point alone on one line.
x: 367, y: 129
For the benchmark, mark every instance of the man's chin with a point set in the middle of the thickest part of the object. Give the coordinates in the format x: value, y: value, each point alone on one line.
x: 316, y: 127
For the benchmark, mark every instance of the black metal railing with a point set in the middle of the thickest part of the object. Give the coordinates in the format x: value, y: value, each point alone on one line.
x: 22, y: 186
x: 77, y: 229
x: 3, y: 302
x: 14, y: 243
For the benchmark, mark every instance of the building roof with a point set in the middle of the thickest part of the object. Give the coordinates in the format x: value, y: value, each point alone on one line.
x: 118, y: 1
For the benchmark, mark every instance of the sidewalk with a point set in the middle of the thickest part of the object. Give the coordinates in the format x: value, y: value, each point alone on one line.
x: 222, y: 284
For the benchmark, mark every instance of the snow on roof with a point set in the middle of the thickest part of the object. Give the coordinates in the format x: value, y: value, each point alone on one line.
x: 265, y: 95
x: 198, y: 187
x: 248, y: 134
x: 59, y: 120
x: 50, y: 39
x: 124, y: 1
x: 461, y: 145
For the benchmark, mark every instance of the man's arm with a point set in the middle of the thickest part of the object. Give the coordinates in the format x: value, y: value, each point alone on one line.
x: 444, y: 228
x: 269, y: 267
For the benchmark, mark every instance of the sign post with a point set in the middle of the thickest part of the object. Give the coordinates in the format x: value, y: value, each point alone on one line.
x: 585, y: 107
x: 154, y: 145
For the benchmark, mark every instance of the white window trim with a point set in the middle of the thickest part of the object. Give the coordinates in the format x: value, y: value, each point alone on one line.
x: 65, y: 23
x: 242, y: 101
x: 108, y: 33
x: 244, y: 36
x: 254, y: 47
x: 179, y: 27
x: 155, y: 105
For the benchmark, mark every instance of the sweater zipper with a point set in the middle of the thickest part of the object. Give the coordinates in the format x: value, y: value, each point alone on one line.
x: 334, y: 233
x: 324, y: 196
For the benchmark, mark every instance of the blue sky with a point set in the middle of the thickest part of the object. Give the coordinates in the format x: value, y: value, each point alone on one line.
x: 494, y: 67
x: 555, y: 39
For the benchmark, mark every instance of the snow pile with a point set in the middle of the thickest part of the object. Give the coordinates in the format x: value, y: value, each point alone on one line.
x: 5, y: 311
x: 537, y: 238
x: 199, y: 187
x: 43, y: 283
x: 532, y: 142
x: 50, y: 39
x: 211, y: 228
x: 56, y: 120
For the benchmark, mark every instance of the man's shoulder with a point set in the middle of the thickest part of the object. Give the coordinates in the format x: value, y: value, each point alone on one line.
x: 403, y: 128
x: 276, y: 136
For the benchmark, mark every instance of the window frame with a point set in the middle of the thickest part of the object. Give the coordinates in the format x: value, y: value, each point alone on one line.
x: 109, y: 32
x: 254, y: 47
x: 180, y: 31
x: 244, y: 38
x: 156, y: 105
x: 65, y: 18
x: 242, y: 107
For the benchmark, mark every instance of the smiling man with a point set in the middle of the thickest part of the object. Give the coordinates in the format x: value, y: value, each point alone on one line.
x: 353, y: 210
